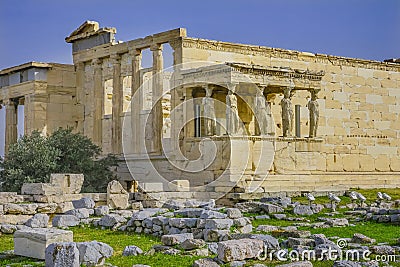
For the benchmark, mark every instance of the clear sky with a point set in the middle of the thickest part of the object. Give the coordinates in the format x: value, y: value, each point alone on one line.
x: 370, y: 29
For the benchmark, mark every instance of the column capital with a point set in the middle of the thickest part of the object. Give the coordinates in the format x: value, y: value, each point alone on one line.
x: 209, y: 90
x: 80, y: 65
x: 115, y: 58
x: 10, y: 102
x: 176, y: 43
x: 231, y: 88
x: 314, y: 93
x: 97, y: 61
x: 156, y: 47
x: 134, y: 51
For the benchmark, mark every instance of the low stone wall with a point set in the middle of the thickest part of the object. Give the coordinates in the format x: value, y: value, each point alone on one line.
x: 56, y: 197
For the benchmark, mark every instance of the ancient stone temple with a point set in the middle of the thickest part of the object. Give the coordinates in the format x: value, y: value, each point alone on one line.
x: 232, y: 118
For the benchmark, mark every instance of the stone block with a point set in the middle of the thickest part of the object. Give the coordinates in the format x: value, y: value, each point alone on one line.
x: 109, y: 220
x: 115, y: 187
x: 14, y: 219
x: 40, y: 189
x: 205, y: 262
x: 221, y: 224
x: 175, y: 239
x: 65, y: 221
x: 118, y: 201
x: 32, y: 242
x: 151, y: 187
x: 81, y: 213
x: 62, y: 254
x: 97, y: 197
x: 213, y: 235
x: 382, y: 163
x: 85, y: 202
x: 94, y: 253
x: 10, y: 197
x: 64, y: 206
x: 179, y: 185
x: 237, y: 250
x: 38, y: 221
x: 101, y: 210
x: 132, y: 251
x: 233, y: 213
x: 47, y: 208
x: 69, y: 183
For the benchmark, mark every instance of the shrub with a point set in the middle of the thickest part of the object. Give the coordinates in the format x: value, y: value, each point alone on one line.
x: 33, y: 158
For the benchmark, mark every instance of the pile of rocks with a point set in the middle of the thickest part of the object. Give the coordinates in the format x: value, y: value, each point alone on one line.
x: 75, y: 254
x: 198, y: 228
x: 208, y: 224
x: 383, y: 215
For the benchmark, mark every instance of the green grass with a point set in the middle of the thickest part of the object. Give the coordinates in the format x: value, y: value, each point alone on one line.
x: 117, y: 240
x: 380, y: 231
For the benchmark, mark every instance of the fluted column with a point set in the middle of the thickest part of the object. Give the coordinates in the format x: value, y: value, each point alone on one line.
x: 117, y: 103
x: 137, y: 100
x: 157, y: 91
x: 98, y: 95
x: 11, y: 124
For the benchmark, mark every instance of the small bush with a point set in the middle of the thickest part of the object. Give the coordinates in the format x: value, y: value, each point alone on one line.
x: 33, y: 158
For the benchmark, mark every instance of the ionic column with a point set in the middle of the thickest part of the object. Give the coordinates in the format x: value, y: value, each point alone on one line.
x: 157, y: 91
x: 98, y: 95
x: 137, y: 101
x: 116, y: 135
x: 11, y: 124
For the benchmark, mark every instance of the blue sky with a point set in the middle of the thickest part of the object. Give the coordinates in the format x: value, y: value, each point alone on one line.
x: 370, y: 29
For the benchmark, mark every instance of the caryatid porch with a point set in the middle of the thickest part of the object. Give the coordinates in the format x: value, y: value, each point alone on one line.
x: 245, y: 91
x: 229, y: 103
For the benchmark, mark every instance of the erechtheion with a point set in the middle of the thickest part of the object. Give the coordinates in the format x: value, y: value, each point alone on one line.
x: 226, y: 117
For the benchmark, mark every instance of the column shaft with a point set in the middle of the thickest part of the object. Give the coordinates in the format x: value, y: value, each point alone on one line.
x: 80, y: 94
x: 11, y: 124
x: 116, y: 105
x: 157, y: 91
x: 137, y: 101
x: 98, y: 93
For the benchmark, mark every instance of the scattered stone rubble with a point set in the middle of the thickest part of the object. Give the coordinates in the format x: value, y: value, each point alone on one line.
x: 224, y: 235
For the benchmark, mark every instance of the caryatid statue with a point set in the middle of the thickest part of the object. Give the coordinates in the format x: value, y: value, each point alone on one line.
x: 209, y: 112
x: 261, y: 112
x: 287, y: 113
x: 232, y: 113
x: 313, y: 108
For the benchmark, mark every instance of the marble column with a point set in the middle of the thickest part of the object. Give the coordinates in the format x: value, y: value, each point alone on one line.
x: 117, y: 102
x: 157, y: 92
x: 11, y: 124
x: 98, y: 95
x: 137, y: 101
x: 80, y: 93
